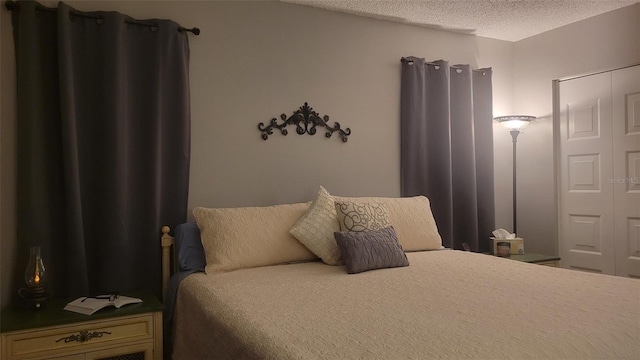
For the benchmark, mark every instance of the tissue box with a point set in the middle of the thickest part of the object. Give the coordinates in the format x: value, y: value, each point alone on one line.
x: 517, y: 245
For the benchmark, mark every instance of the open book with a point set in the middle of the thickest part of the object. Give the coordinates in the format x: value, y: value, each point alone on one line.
x: 89, y: 305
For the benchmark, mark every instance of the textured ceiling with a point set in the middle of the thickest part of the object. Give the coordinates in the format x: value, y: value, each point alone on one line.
x: 510, y: 20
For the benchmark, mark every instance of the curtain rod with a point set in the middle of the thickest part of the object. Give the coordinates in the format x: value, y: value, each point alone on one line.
x: 12, y: 5
x: 404, y: 59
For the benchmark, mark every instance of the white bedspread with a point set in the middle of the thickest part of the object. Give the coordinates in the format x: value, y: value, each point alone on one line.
x: 445, y: 304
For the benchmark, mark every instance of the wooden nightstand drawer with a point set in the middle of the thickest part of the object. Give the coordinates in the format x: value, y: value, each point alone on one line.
x: 83, y: 337
x: 132, y: 332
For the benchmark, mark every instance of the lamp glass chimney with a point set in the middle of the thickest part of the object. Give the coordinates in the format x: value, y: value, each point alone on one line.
x: 35, y: 275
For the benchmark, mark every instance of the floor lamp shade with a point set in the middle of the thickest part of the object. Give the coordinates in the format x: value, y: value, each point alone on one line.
x: 515, y: 122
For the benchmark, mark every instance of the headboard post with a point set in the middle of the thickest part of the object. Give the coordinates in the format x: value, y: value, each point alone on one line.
x: 166, y: 242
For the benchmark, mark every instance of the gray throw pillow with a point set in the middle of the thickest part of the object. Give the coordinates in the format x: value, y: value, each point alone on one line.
x: 369, y: 250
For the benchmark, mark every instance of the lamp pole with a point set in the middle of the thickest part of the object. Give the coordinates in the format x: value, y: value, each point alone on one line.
x: 515, y: 123
x: 514, y: 135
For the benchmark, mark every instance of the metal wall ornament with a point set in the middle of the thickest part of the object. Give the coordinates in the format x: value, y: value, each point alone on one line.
x: 306, y: 120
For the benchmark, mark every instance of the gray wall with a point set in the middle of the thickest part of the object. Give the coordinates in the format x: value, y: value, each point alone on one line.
x: 270, y: 58
x: 256, y: 60
x: 603, y: 42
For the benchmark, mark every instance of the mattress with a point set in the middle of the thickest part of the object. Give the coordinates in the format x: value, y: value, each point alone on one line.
x: 446, y: 304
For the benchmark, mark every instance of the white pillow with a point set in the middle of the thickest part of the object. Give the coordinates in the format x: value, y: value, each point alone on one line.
x: 316, y: 227
x: 235, y: 238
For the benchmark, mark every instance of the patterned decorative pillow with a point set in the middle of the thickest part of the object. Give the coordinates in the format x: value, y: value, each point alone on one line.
x: 370, y: 250
x: 361, y: 216
x: 315, y: 228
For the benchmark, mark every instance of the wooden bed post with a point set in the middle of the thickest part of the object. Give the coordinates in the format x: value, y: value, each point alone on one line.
x: 167, y: 241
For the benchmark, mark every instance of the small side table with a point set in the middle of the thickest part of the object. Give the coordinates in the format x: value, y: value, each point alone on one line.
x: 538, y: 259
x: 133, y: 332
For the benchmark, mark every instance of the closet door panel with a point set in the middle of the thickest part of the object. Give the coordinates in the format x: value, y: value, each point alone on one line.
x: 586, y: 223
x: 626, y: 176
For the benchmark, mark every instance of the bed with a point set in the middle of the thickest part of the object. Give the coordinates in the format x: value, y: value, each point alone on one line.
x: 284, y: 301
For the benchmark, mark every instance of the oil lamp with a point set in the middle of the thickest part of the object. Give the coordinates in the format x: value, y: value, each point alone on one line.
x: 35, y: 276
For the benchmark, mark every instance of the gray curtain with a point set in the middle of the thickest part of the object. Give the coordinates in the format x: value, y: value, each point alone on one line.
x: 447, y: 147
x: 103, y: 145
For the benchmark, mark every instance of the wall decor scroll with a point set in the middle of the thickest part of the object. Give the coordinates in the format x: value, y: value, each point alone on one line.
x: 306, y: 120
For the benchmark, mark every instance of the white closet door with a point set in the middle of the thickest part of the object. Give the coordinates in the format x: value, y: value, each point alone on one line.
x: 626, y: 175
x: 586, y: 224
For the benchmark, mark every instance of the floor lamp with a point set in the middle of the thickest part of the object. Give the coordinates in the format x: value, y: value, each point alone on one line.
x: 515, y: 123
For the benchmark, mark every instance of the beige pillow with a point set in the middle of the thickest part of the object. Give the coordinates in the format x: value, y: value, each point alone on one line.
x: 316, y: 227
x: 361, y: 216
x: 410, y: 217
x: 235, y: 238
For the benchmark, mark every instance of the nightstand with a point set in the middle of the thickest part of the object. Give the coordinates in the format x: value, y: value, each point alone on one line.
x: 539, y: 259
x: 132, y: 332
